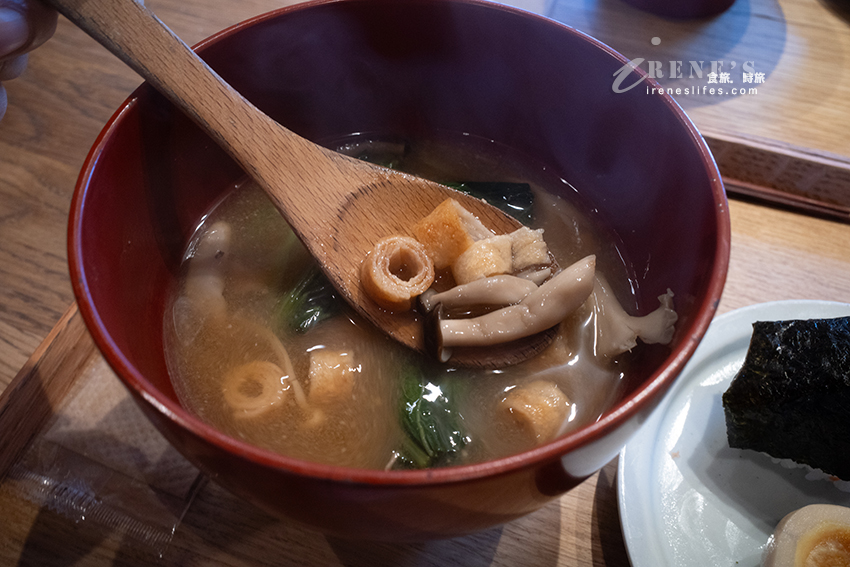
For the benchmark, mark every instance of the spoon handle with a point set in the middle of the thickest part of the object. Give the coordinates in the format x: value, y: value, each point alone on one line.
x: 339, y: 206
x: 134, y: 34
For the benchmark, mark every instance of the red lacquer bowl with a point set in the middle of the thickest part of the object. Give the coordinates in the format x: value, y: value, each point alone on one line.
x: 403, y: 67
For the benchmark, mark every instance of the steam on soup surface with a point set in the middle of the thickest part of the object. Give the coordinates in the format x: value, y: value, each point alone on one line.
x: 259, y: 344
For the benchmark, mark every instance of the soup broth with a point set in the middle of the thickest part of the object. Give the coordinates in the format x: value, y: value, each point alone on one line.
x: 238, y: 363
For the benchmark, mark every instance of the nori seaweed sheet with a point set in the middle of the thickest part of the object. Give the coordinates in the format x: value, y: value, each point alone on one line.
x: 791, y: 398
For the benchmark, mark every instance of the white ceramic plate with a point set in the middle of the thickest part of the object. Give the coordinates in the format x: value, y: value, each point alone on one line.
x: 686, y: 498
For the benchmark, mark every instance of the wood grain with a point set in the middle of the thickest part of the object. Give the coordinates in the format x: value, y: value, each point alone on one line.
x: 70, y: 89
x: 342, y: 207
x: 36, y: 393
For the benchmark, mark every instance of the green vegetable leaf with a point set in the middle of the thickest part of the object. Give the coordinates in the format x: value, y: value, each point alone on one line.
x: 411, y: 456
x: 311, y: 301
x: 430, y: 418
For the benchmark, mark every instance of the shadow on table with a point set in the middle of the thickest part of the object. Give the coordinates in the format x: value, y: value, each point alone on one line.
x: 840, y: 8
x: 98, y: 479
x: 606, y: 521
x: 99, y: 466
x: 749, y: 37
x: 222, y: 526
x: 476, y: 550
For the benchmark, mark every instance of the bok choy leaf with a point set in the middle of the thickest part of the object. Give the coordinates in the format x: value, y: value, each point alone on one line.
x: 430, y: 418
x: 311, y: 301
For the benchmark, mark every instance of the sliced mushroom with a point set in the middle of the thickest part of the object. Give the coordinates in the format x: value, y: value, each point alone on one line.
x: 541, y: 309
x: 617, y: 331
x: 495, y: 290
x: 205, y: 277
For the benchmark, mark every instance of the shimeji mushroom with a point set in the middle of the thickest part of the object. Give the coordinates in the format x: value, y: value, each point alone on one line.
x: 617, y: 331
x: 536, y: 275
x: 205, y: 278
x: 203, y: 293
x: 543, y: 308
x: 495, y: 290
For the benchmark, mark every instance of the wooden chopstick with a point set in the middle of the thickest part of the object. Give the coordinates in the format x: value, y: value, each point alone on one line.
x: 786, y: 200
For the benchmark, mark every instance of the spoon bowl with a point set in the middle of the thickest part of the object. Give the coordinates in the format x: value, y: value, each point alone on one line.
x: 337, y: 205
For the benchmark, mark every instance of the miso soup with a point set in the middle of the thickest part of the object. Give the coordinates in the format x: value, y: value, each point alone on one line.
x: 259, y: 345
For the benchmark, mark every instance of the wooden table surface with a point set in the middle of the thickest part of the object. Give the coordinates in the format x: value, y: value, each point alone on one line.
x: 72, y: 87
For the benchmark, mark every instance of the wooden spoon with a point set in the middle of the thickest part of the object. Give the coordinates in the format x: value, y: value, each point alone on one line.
x: 339, y: 206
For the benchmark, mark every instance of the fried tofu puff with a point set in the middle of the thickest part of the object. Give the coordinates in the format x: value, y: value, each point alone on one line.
x: 484, y: 258
x: 539, y: 409
x: 448, y: 231
x: 332, y: 376
x: 528, y: 248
